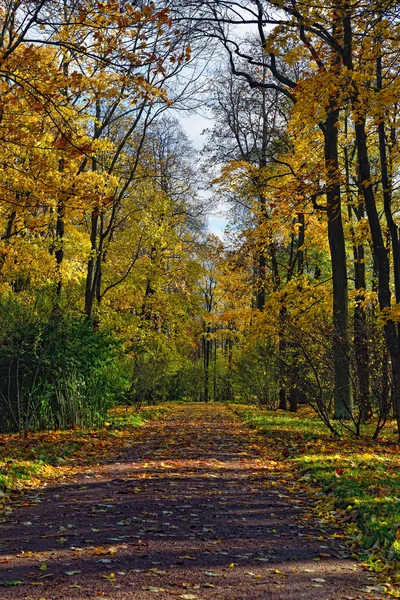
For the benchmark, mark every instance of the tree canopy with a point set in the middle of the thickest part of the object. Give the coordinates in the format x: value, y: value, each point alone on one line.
x: 111, y: 288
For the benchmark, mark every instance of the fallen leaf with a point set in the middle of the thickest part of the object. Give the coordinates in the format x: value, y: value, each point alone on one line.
x: 104, y: 560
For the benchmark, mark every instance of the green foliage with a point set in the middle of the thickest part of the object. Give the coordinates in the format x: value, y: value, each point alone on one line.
x: 255, y: 376
x: 187, y: 383
x: 156, y: 362
x: 55, y: 370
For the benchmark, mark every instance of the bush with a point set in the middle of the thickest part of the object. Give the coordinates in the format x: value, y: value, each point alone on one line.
x: 55, y: 371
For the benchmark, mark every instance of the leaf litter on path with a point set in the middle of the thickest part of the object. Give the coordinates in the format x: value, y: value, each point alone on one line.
x: 214, y: 503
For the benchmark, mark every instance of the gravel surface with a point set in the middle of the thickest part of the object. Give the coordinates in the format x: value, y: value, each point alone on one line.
x: 194, y: 510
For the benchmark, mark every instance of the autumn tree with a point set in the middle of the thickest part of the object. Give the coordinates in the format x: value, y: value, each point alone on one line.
x: 81, y: 209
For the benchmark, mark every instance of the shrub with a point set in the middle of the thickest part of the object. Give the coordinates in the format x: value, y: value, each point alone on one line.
x: 55, y: 371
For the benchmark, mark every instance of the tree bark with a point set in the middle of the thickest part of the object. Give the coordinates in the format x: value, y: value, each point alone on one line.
x: 206, y: 359
x: 300, y: 244
x: 361, y: 351
x: 90, y: 289
x: 343, y: 403
x: 60, y: 232
x: 382, y: 260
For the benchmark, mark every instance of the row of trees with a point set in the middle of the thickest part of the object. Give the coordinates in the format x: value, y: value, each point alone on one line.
x: 307, y: 143
x: 100, y: 215
x: 107, y: 278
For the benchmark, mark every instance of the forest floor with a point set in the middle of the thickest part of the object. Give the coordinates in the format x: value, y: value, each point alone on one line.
x: 193, y: 505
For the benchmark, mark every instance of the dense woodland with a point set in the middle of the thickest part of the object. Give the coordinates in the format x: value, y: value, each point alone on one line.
x: 111, y: 289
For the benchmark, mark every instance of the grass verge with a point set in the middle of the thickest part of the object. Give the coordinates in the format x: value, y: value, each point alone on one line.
x: 49, y: 455
x: 355, y: 483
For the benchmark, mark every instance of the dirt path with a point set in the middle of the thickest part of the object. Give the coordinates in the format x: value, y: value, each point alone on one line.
x: 195, y: 510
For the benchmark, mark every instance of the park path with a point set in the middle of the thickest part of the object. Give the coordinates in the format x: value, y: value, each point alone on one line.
x: 196, y: 509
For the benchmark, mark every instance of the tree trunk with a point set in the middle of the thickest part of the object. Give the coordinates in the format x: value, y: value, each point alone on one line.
x: 382, y: 259
x: 300, y: 244
x: 7, y: 234
x: 215, y: 370
x: 59, y: 253
x: 206, y: 362
x: 293, y: 400
x: 343, y: 404
x: 361, y: 350
x: 282, y: 398
x: 93, y: 263
x: 262, y: 266
x: 381, y: 255
x: 90, y: 289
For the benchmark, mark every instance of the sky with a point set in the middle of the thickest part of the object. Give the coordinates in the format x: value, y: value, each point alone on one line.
x: 194, y: 125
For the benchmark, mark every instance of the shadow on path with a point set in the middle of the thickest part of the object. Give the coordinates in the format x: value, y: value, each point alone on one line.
x: 193, y: 511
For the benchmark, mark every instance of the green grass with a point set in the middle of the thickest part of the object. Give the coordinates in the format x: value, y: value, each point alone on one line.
x: 307, y: 427
x: 355, y: 483
x: 130, y: 417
